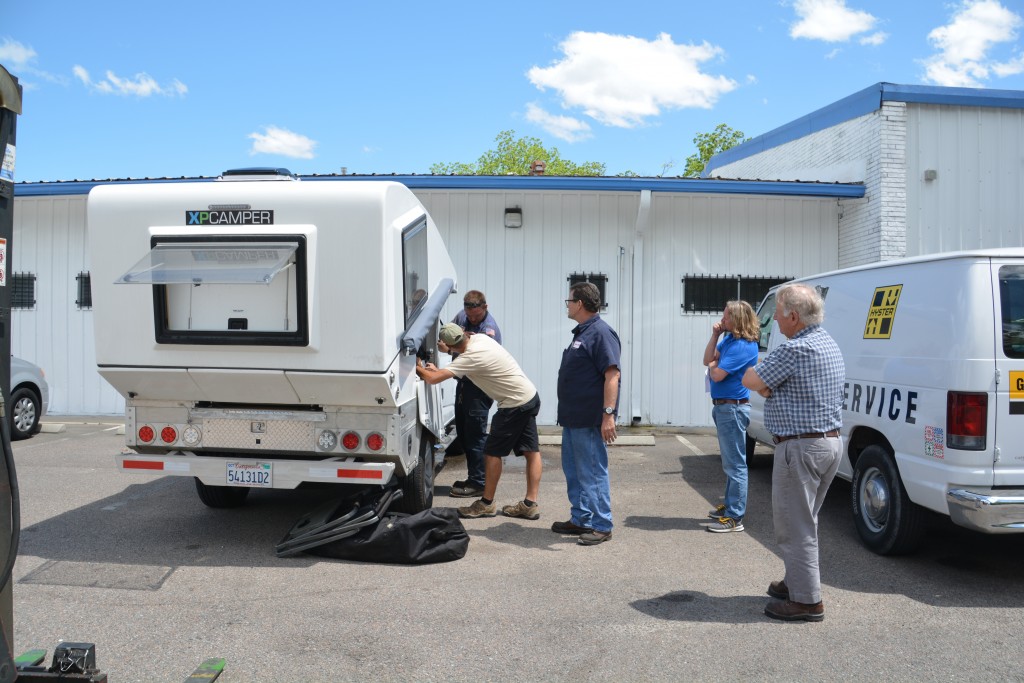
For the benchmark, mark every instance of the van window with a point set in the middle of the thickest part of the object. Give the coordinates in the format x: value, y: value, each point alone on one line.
x: 765, y: 315
x: 1011, y: 302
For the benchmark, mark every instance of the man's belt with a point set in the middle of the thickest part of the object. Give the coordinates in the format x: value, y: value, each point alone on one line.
x: 729, y: 401
x: 809, y: 435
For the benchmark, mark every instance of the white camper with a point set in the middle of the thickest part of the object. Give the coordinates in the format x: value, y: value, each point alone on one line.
x: 264, y: 331
x: 933, y: 411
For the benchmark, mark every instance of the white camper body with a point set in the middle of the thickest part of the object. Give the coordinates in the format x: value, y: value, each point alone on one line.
x: 933, y: 411
x: 264, y: 331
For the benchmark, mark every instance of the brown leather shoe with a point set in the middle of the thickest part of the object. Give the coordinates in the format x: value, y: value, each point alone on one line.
x: 778, y: 590
x: 787, y: 610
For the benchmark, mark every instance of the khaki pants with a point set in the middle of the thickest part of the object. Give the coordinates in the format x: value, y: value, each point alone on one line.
x: 803, y: 471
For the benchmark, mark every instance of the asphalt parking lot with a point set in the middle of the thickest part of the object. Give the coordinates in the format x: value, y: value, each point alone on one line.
x: 137, y: 565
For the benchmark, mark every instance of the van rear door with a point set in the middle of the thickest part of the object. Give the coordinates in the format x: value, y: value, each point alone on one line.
x: 770, y: 338
x: 1008, y: 290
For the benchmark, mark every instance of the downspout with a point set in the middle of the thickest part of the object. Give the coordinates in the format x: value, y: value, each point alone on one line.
x: 643, y: 222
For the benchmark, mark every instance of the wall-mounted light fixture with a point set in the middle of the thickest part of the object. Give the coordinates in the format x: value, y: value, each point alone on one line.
x: 514, y: 217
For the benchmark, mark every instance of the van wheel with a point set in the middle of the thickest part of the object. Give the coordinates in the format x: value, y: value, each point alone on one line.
x: 418, y: 485
x: 221, y: 496
x: 886, y: 519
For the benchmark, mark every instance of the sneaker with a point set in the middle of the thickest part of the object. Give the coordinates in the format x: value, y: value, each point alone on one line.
x: 778, y: 590
x: 478, y: 509
x: 570, y: 528
x: 465, y: 489
x: 594, y: 537
x: 724, y: 525
x: 521, y: 509
x: 717, y: 512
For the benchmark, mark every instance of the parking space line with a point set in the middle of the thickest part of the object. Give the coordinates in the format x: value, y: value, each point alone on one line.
x: 693, y: 449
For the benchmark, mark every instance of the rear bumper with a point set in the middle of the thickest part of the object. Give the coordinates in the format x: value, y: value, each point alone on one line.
x: 287, y: 474
x: 989, y: 511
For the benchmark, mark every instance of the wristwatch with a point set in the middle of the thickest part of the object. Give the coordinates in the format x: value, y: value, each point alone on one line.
x: 609, y: 411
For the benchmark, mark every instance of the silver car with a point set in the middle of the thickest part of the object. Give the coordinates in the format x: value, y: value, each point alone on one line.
x: 30, y: 395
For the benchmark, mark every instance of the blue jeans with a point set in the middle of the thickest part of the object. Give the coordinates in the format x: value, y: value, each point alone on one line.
x: 585, y: 463
x: 731, y: 422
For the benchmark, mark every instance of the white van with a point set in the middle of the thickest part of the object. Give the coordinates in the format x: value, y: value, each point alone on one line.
x: 933, y: 411
x: 264, y: 331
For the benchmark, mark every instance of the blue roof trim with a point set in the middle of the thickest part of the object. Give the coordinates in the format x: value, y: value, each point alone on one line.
x: 535, y: 183
x: 864, y: 102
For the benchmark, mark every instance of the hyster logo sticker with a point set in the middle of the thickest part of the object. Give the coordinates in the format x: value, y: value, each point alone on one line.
x: 233, y: 217
x: 882, y: 312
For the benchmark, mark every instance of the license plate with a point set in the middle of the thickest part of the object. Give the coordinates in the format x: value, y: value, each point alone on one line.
x: 256, y: 475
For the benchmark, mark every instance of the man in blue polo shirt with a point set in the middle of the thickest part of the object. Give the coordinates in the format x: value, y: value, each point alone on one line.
x: 588, y: 394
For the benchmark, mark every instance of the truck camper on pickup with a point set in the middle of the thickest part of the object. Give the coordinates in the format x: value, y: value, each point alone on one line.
x: 933, y: 410
x: 264, y: 331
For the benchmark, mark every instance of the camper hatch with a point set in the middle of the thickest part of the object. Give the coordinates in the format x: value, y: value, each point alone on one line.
x: 264, y: 331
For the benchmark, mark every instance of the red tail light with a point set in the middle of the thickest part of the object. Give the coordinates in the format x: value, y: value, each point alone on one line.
x: 350, y: 441
x: 966, y: 420
x: 146, y: 434
x: 168, y: 434
x: 375, y: 441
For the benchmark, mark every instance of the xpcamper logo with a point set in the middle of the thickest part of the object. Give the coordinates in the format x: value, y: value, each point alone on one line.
x: 233, y: 217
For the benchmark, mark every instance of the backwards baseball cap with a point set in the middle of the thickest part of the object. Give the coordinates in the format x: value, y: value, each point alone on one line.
x: 451, y: 334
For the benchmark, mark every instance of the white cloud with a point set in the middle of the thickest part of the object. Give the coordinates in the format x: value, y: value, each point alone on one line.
x: 563, y: 127
x: 142, y: 85
x: 282, y: 142
x: 15, y: 56
x: 964, y: 44
x: 829, y: 20
x: 833, y: 53
x: 875, y: 38
x: 623, y: 80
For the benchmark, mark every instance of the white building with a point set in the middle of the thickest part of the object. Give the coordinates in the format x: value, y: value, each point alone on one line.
x: 669, y: 251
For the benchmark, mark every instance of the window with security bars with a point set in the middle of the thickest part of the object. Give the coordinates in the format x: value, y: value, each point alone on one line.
x: 599, y: 280
x: 23, y: 290
x: 84, y: 299
x: 708, y: 293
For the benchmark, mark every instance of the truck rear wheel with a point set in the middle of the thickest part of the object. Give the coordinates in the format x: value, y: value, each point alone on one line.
x: 418, y: 485
x: 886, y: 519
x: 221, y: 496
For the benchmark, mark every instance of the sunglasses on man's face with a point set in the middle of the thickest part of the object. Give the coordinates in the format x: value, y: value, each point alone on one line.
x: 470, y: 304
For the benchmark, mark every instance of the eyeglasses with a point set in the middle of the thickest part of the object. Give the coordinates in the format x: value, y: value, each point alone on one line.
x: 569, y: 301
x: 470, y: 304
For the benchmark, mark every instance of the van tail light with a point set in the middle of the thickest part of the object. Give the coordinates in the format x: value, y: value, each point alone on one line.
x: 966, y: 420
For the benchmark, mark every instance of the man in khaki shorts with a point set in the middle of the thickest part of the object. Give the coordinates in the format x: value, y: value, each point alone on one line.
x: 514, y: 427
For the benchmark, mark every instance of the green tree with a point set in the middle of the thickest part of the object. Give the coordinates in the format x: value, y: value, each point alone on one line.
x: 513, y: 155
x: 708, y: 145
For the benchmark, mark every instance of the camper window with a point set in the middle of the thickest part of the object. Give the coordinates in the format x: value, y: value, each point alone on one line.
x: 238, y: 289
x: 414, y: 266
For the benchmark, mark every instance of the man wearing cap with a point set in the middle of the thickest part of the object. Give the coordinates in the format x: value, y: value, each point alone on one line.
x: 514, y: 427
x: 472, y: 406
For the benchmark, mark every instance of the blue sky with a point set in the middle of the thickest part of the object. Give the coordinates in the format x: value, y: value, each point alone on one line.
x: 155, y: 89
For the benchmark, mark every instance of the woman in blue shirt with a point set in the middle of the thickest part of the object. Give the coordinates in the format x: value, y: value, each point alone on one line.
x: 730, y: 351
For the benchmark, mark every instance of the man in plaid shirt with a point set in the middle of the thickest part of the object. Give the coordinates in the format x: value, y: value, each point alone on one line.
x: 803, y: 382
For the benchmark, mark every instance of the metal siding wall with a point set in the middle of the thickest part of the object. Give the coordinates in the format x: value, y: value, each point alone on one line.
x: 978, y: 197
x: 692, y: 234
x: 50, y: 241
